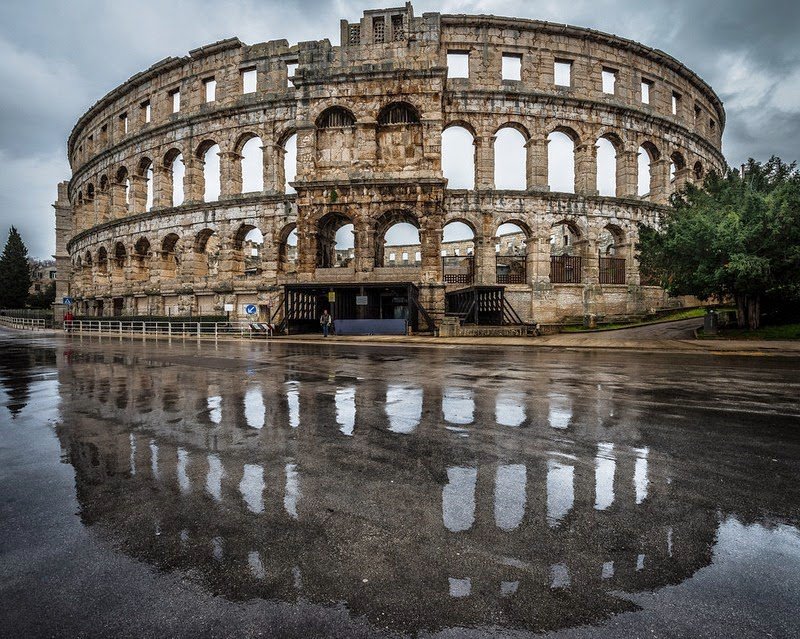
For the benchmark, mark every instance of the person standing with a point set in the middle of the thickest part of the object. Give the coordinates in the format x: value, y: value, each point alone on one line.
x: 325, y: 322
x: 68, y: 318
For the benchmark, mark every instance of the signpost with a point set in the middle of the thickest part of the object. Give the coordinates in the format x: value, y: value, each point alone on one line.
x: 362, y: 300
x: 66, y: 301
x: 250, y: 309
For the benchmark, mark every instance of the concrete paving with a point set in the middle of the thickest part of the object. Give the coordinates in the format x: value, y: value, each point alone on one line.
x: 155, y: 489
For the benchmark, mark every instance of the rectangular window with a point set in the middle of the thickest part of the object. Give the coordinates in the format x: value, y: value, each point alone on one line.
x: 512, y: 66
x: 210, y: 86
x: 444, y: 252
x: 676, y: 100
x: 405, y: 257
x: 647, y: 89
x: 457, y: 64
x: 248, y: 81
x: 378, y: 30
x: 146, y: 111
x: 291, y: 69
x: 176, y: 101
x: 123, y: 123
x: 418, y: 256
x: 398, y: 29
x: 354, y: 34
x: 609, y: 81
x: 562, y: 73
x: 392, y: 257
x: 696, y: 112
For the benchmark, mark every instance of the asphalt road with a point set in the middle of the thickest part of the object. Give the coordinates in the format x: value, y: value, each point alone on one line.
x: 317, y: 490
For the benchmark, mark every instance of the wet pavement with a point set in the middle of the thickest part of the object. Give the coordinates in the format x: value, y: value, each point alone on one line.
x: 288, y: 490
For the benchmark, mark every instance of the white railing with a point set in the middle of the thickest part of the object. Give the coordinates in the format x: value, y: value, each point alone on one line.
x: 198, y: 330
x: 26, y: 323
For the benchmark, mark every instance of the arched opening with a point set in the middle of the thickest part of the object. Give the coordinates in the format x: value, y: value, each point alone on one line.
x: 647, y: 154
x: 90, y: 192
x: 676, y: 163
x: 173, y: 163
x: 611, y: 255
x: 102, y: 260
x: 141, y: 255
x: 561, y: 161
x: 252, y: 162
x: 397, y: 240
x: 287, y: 249
x: 146, y: 171
x: 458, y: 158
x: 399, y: 136
x: 206, y: 253
x: 335, y: 241
x: 335, y: 117
x: 606, y: 167
x: 336, y: 137
x: 566, y: 260
x: 209, y: 154
x: 86, y: 273
x: 103, y: 183
x: 169, y: 255
x: 247, y: 245
x: 290, y: 162
x: 510, y: 160
x: 698, y: 170
x: 511, y: 241
x: 119, y: 255
x: 458, y: 253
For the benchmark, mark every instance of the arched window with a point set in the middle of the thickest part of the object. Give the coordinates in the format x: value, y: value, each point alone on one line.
x: 206, y: 247
x: 606, y: 167
x: 458, y: 158
x: 102, y: 260
x: 335, y: 117
x: 173, y: 161
x: 398, y: 113
x: 248, y: 244
x: 676, y: 163
x: 252, y: 166
x: 290, y: 162
x: 119, y: 255
x: 510, y: 250
x: 647, y: 154
x: 169, y: 255
x: 566, y: 262
x: 211, y: 174
x: 287, y: 249
x: 510, y: 160
x: 458, y: 250
x: 335, y: 241
x: 398, y: 241
x: 561, y: 162
x: 698, y: 170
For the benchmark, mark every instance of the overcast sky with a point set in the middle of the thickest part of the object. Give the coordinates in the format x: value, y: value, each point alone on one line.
x: 57, y: 58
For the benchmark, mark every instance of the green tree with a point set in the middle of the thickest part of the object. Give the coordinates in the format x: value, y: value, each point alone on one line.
x: 15, y: 277
x: 737, y: 237
x: 43, y: 299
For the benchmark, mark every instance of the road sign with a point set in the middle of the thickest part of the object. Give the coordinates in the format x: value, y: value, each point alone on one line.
x: 362, y: 300
x: 228, y: 308
x: 251, y: 309
x: 67, y: 301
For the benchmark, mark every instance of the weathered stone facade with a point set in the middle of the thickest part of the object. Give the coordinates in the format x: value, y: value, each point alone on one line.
x: 368, y: 117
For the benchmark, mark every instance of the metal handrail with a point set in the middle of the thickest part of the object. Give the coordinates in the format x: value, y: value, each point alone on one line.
x: 204, y: 330
x: 27, y: 323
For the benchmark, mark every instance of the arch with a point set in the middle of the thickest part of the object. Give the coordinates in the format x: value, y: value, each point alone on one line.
x: 103, y: 183
x: 80, y: 199
x: 251, y: 159
x: 202, y: 238
x: 206, y: 257
x: 145, y: 170
x: 169, y: 254
x: 142, y: 247
x: 458, y: 157
x: 173, y: 161
x: 120, y: 254
x: 398, y: 113
x: 698, y: 170
x: 144, y: 164
x: 289, y: 164
x: 510, y: 158
x: 504, y: 227
x: 333, y: 245
x: 563, y: 236
x: 510, y: 252
x: 608, y: 148
x: 398, y: 227
x: 87, y: 260
x: 458, y: 252
x: 90, y: 192
x: 646, y: 155
x: 561, y: 143
x: 209, y: 152
x: 611, y: 238
x: 102, y: 260
x: 335, y: 117
x: 246, y: 248
x: 676, y: 163
x: 140, y: 255
x: 121, y: 175
x: 287, y: 249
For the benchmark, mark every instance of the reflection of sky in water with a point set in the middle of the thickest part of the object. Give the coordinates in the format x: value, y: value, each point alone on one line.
x: 608, y: 570
x: 256, y: 567
x: 132, y: 439
x: 458, y: 498
x: 214, y: 404
x: 559, y: 576
x: 460, y: 587
x: 560, y: 491
x: 154, y: 458
x: 509, y: 496
x: 403, y: 408
x: 293, y: 399
x: 605, y: 467
x: 183, y: 477
x: 346, y: 409
x: 292, y: 492
x: 640, y: 480
x: 252, y: 487
x: 509, y: 408
x: 508, y: 588
x: 640, y: 562
x: 560, y: 411
x: 216, y: 548
x: 214, y: 477
x: 254, y: 410
x: 458, y: 405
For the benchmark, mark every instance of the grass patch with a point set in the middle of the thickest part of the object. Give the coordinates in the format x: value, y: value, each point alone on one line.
x: 784, y: 331
x: 688, y: 313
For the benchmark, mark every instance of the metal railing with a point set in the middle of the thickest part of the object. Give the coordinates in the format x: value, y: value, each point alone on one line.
x: 198, y: 330
x: 26, y: 323
x: 612, y: 270
x: 566, y: 269
x: 458, y: 269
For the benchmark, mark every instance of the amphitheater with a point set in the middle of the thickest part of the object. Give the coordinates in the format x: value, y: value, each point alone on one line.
x: 382, y: 178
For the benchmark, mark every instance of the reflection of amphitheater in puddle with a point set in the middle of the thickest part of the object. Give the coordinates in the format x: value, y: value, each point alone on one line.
x: 292, y: 486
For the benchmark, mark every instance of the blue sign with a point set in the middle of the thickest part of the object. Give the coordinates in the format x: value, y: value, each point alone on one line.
x: 251, y: 309
x: 67, y: 301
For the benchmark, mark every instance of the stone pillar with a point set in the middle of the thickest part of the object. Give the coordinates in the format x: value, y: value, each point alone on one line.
x: 193, y: 180
x: 484, y: 162
x: 537, y: 257
x: 230, y: 168
x: 364, y: 231
x: 628, y: 251
x: 274, y: 174
x: 306, y: 137
x: 627, y: 173
x: 102, y: 206
x: 64, y: 231
x: 119, y: 207
x: 367, y: 143
x: 586, y: 169
x: 162, y: 189
x: 536, y: 169
x: 306, y: 246
x: 138, y: 194
x: 659, y: 181
x: 430, y: 236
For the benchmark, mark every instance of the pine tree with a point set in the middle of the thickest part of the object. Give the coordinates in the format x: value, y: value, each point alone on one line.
x: 15, y: 276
